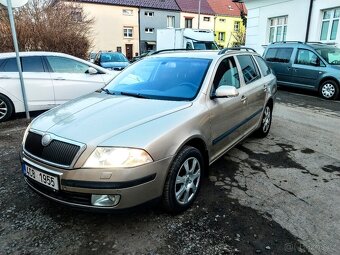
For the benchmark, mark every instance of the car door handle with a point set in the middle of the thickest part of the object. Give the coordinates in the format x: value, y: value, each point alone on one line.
x: 59, y: 79
x: 244, y: 99
x: 265, y: 87
x: 288, y: 68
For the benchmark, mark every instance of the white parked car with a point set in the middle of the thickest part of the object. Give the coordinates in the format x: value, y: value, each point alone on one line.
x: 50, y: 79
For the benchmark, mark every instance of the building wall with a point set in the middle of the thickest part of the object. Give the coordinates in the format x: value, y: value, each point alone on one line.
x: 159, y: 20
x: 227, y: 28
x: 108, y: 27
x: 260, y: 11
x: 203, y: 24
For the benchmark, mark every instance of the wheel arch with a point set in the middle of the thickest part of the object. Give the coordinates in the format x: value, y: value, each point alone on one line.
x: 326, y: 79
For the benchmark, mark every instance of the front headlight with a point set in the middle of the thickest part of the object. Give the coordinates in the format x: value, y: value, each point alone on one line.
x: 109, y: 157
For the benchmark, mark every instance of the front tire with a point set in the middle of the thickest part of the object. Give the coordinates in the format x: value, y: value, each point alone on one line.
x: 266, y: 122
x: 6, y: 108
x: 183, y: 181
x: 329, y: 90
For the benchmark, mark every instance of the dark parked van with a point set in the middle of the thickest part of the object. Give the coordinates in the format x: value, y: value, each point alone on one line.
x: 313, y: 66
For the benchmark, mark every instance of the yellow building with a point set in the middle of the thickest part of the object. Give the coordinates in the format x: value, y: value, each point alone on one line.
x: 229, y: 31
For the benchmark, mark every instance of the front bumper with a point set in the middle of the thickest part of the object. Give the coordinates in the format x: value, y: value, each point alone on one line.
x: 135, y: 186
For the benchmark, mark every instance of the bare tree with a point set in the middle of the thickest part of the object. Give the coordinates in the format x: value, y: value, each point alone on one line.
x: 48, y: 26
x: 240, y: 38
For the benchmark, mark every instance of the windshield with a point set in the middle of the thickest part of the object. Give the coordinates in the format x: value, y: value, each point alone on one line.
x: 162, y: 78
x: 205, y: 46
x: 331, y: 55
x: 112, y: 57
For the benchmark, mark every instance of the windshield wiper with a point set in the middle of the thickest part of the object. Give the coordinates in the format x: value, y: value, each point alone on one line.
x: 107, y: 91
x: 138, y: 95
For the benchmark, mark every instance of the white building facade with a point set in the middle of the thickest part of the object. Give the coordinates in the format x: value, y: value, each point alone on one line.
x: 292, y: 20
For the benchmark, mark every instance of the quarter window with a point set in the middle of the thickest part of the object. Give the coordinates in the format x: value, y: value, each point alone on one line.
x: 171, y: 21
x: 263, y: 66
x: 281, y: 55
x: 32, y: 64
x: 249, y: 70
x: 65, y: 65
x: 227, y: 74
x: 278, y: 29
x: 127, y: 32
x: 330, y: 24
x: 306, y: 57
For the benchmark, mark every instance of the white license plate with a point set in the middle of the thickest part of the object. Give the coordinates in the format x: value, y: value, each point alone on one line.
x: 43, y: 178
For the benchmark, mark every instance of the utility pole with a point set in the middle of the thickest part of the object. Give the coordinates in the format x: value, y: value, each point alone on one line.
x: 199, y: 13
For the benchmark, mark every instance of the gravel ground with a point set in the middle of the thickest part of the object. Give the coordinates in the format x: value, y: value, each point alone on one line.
x: 216, y: 224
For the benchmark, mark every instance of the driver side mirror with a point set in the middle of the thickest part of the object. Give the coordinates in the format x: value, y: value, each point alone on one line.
x: 92, y: 71
x: 226, y: 91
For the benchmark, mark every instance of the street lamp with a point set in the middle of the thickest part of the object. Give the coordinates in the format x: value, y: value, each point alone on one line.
x: 199, y: 13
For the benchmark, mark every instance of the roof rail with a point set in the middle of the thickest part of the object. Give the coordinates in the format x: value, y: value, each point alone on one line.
x: 287, y: 42
x: 169, y: 50
x: 317, y: 43
x: 223, y: 51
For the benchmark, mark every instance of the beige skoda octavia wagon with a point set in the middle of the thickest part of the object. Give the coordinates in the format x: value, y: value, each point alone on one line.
x: 151, y: 133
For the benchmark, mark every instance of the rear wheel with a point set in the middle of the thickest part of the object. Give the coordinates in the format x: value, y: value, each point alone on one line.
x: 266, y: 122
x: 6, y: 108
x: 183, y: 181
x: 329, y: 90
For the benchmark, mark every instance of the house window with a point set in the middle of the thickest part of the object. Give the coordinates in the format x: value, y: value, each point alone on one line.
x: 171, y: 21
x: 188, y: 22
x: 278, y: 29
x: 221, y: 36
x: 149, y: 14
x: 236, y: 26
x: 330, y: 24
x: 128, y: 32
x: 127, y: 12
x: 222, y: 20
x: 149, y: 30
x: 206, y: 19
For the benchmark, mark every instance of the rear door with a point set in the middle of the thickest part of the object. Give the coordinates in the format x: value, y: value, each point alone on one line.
x: 254, y: 93
x: 38, y: 84
x: 280, y: 60
x: 71, y: 78
x: 307, y: 69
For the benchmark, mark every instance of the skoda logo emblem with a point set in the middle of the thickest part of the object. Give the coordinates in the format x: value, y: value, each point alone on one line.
x: 46, y: 140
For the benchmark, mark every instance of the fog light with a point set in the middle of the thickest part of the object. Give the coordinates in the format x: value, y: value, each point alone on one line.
x: 105, y: 200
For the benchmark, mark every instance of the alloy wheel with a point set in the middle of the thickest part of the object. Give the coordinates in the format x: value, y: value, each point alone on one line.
x: 3, y: 109
x: 187, y: 180
x: 266, y: 119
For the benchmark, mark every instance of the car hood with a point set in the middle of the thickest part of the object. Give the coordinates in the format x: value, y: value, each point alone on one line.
x: 97, y: 117
x: 114, y: 64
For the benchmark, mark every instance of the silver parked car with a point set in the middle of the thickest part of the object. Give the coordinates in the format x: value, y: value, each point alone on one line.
x: 151, y: 133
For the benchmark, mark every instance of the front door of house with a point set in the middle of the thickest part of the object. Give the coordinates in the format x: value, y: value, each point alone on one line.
x: 128, y: 51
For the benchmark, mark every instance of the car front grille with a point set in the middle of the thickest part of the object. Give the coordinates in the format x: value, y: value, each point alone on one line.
x: 57, y: 152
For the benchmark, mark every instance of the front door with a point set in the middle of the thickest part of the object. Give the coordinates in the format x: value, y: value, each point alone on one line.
x: 129, y: 51
x: 307, y: 69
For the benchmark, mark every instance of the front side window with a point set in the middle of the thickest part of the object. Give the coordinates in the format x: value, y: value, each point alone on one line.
x: 249, y: 70
x: 66, y: 65
x: 32, y: 64
x: 280, y: 55
x: 307, y: 57
x: 227, y: 74
x: 330, y: 24
x: 171, y: 21
x: 278, y: 29
x: 188, y: 22
x: 263, y: 66
x: 331, y: 55
x: 128, y: 32
x: 166, y: 78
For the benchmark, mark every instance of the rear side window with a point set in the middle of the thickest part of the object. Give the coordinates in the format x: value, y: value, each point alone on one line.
x: 280, y: 55
x: 10, y: 65
x: 263, y: 66
x: 32, y: 64
x: 249, y: 70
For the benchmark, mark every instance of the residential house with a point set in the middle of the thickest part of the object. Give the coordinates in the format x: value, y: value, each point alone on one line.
x: 115, y: 25
x: 292, y: 20
x: 195, y: 16
x: 156, y: 14
x: 229, y: 28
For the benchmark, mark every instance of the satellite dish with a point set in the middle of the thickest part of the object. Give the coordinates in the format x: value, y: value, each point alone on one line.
x: 15, y: 3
